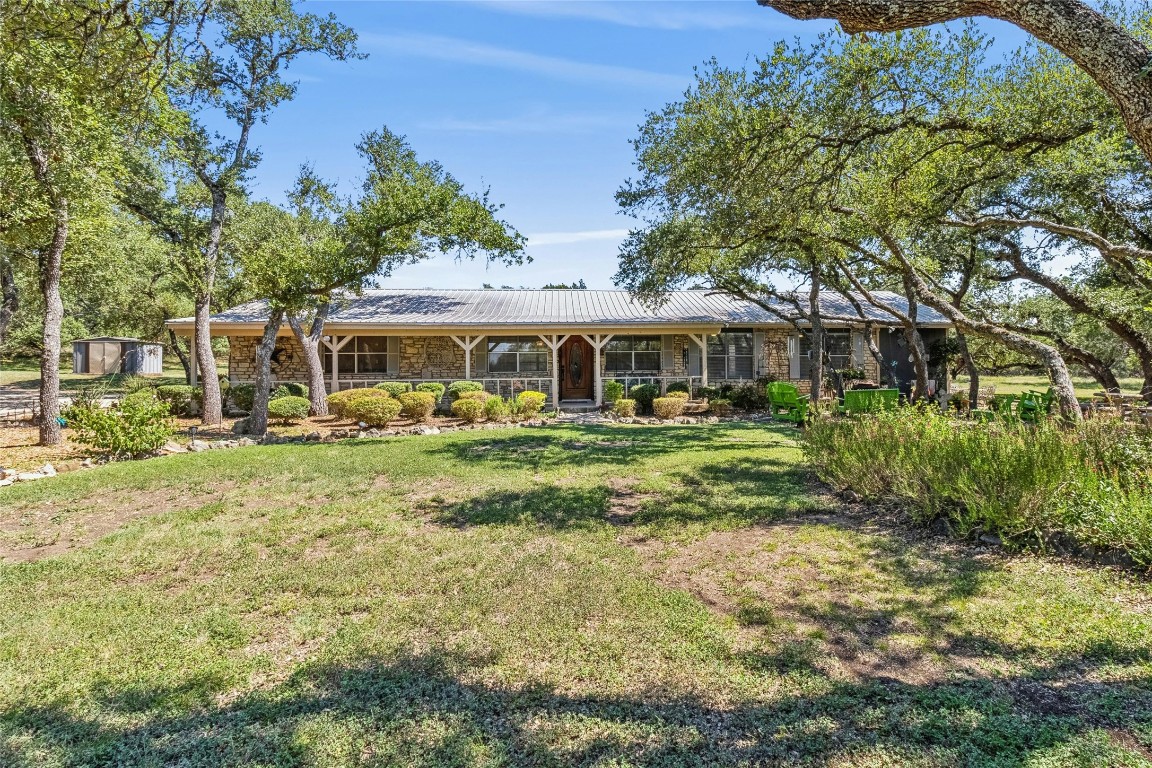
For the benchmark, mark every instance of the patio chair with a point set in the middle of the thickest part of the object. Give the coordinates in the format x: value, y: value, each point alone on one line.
x: 868, y: 400
x: 785, y: 399
x: 1035, y: 404
x: 1000, y: 408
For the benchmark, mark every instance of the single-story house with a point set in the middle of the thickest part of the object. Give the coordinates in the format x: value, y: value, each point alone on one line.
x: 563, y: 342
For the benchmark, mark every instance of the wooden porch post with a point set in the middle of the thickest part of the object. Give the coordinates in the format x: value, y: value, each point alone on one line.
x: 330, y: 342
x: 468, y: 343
x: 554, y: 342
x: 597, y: 344
x: 702, y: 342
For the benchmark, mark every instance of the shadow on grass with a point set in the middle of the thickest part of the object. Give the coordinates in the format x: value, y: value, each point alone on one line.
x: 419, y: 710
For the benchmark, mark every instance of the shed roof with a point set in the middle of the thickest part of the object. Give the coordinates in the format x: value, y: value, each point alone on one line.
x: 105, y: 338
x: 462, y: 308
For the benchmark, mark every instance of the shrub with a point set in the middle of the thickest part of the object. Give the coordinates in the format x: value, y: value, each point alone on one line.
x: 140, y: 424
x: 179, y: 397
x: 707, y: 393
x: 468, y: 409
x: 242, y: 396
x: 456, y: 388
x: 280, y: 390
x: 338, y: 401
x: 295, y: 389
x: 624, y: 407
x: 530, y: 403
x: 679, y: 394
x: 394, y: 388
x: 720, y: 407
x: 289, y: 408
x: 644, y: 394
x: 749, y: 397
x: 679, y: 386
x: 374, y: 410
x: 417, y: 405
x: 668, y: 407
x: 433, y: 387
x: 495, y: 409
x: 1024, y: 482
x: 613, y: 391
x: 478, y: 395
x: 135, y: 383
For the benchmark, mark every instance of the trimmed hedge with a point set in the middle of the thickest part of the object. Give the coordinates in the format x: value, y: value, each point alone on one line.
x: 417, y: 405
x: 242, y: 396
x: 373, y: 411
x: 529, y: 402
x: 679, y: 386
x: 179, y: 397
x: 720, y: 406
x: 290, y: 408
x: 644, y: 394
x: 436, y: 389
x: 468, y: 409
x: 340, y: 403
x: 668, y: 407
x: 457, y: 388
x: 613, y: 391
x: 624, y: 407
x: 394, y: 388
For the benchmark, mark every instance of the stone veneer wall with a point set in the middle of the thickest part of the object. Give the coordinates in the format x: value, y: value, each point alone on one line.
x: 287, y: 364
x: 430, y: 357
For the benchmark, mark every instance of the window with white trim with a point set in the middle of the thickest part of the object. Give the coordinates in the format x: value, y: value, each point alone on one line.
x: 838, y: 344
x: 633, y: 353
x: 367, y: 355
x: 517, y: 354
x: 731, y: 355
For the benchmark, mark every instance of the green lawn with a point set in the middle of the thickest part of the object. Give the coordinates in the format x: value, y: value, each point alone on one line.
x: 1014, y: 385
x: 25, y: 375
x: 549, y: 596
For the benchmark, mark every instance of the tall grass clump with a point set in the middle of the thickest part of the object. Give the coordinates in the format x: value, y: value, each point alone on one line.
x: 1090, y: 485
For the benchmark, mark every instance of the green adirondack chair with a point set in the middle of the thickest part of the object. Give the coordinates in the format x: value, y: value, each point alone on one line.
x: 784, y: 399
x: 1033, y: 405
x: 1001, y: 409
x: 869, y: 400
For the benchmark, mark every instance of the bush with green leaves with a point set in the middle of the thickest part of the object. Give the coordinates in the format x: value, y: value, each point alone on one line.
x: 613, y: 391
x: 530, y: 403
x: 289, y: 409
x: 374, y: 410
x: 752, y: 396
x: 470, y: 410
x: 280, y: 390
x: 242, y: 396
x: 478, y: 395
x: 457, y: 388
x: 495, y: 409
x: 679, y: 386
x: 338, y: 401
x: 668, y: 407
x: 395, y: 388
x: 720, y: 407
x: 434, y: 387
x: 644, y: 394
x: 295, y: 388
x: 133, y: 383
x: 417, y: 406
x: 707, y: 393
x: 624, y: 407
x: 679, y: 394
x: 181, y: 398
x: 138, y: 425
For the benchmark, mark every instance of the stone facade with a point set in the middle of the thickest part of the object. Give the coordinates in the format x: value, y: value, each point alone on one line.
x: 287, y: 359
x: 430, y: 357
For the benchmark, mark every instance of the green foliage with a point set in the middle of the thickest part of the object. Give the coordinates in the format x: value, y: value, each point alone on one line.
x: 417, y: 406
x: 1023, y: 482
x: 495, y: 409
x: 242, y: 395
x: 340, y: 403
x: 395, y: 388
x: 479, y: 395
x: 436, y: 388
x: 624, y: 407
x: 280, y: 390
x: 457, y: 388
x: 469, y: 410
x: 679, y: 386
x: 529, y: 403
x: 295, y: 389
x: 720, y: 407
x: 751, y: 396
x: 140, y: 424
x: 668, y: 407
x: 179, y: 397
x: 375, y: 410
x: 708, y: 393
x: 132, y: 384
x: 289, y: 409
x: 644, y: 394
x: 613, y: 391
x: 679, y: 394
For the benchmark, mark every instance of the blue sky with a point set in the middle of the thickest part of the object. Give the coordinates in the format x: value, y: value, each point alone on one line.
x: 535, y: 100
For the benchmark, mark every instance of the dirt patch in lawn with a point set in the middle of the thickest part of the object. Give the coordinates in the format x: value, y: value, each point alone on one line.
x: 52, y: 528
x: 625, y: 502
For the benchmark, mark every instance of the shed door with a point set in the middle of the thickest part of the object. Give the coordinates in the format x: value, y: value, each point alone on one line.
x: 576, y: 363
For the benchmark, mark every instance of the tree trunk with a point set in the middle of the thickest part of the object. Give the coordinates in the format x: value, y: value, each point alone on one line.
x: 9, y: 298
x: 886, y: 376
x: 212, y: 405
x: 816, y: 370
x: 174, y: 340
x: 915, y: 342
x: 1109, y: 54
x: 258, y: 419
x: 970, y: 367
x: 310, y: 343
x: 51, y: 269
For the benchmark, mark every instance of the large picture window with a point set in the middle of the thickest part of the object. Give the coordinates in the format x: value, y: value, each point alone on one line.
x: 517, y: 354
x: 837, y: 342
x: 367, y: 355
x: 731, y: 355
x: 633, y: 353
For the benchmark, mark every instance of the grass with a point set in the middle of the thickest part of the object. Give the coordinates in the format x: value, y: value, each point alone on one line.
x: 555, y: 596
x: 24, y: 374
x: 1014, y: 385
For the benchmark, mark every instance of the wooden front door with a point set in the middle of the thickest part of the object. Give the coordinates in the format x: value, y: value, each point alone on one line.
x: 576, y: 369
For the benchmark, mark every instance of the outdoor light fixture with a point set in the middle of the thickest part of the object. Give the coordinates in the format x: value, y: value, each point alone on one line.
x: 192, y: 433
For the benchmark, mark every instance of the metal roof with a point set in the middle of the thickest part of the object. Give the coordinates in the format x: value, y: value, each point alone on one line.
x: 396, y: 307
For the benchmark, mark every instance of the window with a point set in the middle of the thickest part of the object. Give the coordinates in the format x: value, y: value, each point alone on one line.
x: 365, y: 355
x: 517, y: 354
x: 633, y: 353
x: 838, y: 344
x: 731, y: 355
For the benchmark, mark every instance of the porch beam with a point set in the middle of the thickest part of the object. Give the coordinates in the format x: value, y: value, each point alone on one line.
x: 468, y: 343
x: 702, y: 342
x: 554, y: 342
x: 598, y: 341
x: 330, y: 342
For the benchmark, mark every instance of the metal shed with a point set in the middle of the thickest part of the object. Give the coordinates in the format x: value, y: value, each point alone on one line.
x: 110, y: 354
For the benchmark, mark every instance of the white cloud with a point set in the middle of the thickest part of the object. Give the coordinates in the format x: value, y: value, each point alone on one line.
x: 566, y: 238
x: 480, y: 54
x: 676, y: 16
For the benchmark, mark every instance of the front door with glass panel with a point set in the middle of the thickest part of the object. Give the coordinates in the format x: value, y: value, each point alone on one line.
x: 576, y: 363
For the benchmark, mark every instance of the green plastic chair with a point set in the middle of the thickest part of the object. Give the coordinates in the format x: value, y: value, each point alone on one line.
x: 868, y: 400
x: 785, y: 399
x: 1001, y: 409
x: 1033, y: 405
